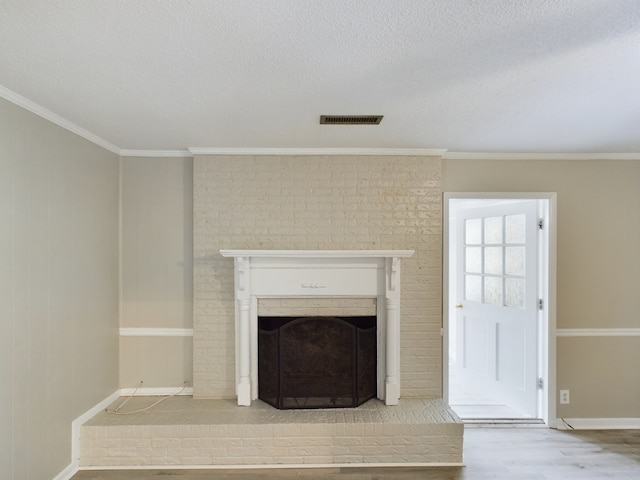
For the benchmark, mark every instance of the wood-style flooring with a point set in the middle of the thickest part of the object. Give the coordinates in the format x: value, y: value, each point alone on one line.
x: 504, y: 453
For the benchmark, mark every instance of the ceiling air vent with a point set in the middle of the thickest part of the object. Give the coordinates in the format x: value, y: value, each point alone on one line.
x: 350, y: 119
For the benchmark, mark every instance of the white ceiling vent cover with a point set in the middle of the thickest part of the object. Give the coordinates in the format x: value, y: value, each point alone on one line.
x: 350, y: 119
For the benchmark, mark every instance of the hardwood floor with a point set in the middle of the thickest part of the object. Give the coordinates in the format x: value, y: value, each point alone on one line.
x: 504, y: 453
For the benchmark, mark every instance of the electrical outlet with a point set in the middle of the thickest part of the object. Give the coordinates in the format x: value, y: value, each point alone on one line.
x: 564, y: 397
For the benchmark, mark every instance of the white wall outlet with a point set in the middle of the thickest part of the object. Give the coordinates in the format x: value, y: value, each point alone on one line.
x: 564, y: 397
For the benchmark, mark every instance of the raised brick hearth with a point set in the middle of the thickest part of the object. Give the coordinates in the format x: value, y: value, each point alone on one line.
x: 186, y: 432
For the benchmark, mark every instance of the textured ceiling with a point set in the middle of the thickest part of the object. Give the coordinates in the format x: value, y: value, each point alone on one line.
x: 464, y: 75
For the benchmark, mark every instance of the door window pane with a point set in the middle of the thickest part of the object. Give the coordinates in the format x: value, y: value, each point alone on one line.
x: 515, y: 228
x: 473, y: 288
x: 514, y: 292
x: 514, y: 261
x: 473, y: 259
x: 493, y: 230
x: 493, y: 260
x: 493, y: 290
x: 473, y: 231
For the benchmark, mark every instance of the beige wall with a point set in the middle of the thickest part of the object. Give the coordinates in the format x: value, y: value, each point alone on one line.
x: 156, y: 270
x: 598, y: 271
x: 317, y: 202
x: 58, y: 289
x: 598, y: 258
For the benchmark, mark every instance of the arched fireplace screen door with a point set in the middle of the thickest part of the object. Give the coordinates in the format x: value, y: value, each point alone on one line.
x: 316, y: 362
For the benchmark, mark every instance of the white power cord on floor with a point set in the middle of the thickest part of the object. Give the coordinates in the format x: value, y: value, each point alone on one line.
x: 117, y: 409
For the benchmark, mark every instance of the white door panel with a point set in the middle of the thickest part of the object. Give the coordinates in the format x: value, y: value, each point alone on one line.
x: 497, y: 285
x: 475, y: 344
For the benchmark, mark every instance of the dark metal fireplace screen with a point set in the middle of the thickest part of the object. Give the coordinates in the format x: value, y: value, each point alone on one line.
x: 316, y: 362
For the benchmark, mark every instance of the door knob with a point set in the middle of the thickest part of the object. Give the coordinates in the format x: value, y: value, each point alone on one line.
x: 459, y: 305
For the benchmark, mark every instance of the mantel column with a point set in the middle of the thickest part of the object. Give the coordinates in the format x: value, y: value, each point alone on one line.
x: 243, y: 355
x: 392, y: 302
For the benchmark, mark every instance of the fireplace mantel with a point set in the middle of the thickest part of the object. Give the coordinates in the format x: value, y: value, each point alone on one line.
x: 317, y: 253
x: 317, y: 273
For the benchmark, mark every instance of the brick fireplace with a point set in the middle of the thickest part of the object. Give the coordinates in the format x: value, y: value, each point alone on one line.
x: 322, y: 203
x: 388, y: 204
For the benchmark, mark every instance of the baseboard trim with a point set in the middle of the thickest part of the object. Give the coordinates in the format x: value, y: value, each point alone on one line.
x: 272, y: 466
x: 155, y: 391
x: 597, y: 423
x: 68, y: 472
x: 71, y: 469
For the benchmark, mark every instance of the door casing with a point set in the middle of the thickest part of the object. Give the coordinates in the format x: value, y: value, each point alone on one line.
x: 548, y: 260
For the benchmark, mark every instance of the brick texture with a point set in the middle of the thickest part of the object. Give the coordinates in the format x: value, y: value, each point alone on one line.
x: 317, y: 202
x: 183, y: 431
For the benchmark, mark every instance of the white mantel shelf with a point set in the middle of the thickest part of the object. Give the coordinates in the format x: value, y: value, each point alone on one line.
x: 317, y: 273
x: 318, y: 253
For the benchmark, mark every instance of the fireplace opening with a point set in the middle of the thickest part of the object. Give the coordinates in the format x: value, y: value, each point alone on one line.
x: 317, y: 362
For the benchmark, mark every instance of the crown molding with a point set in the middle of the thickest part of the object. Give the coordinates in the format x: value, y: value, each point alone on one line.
x: 539, y: 156
x: 56, y: 119
x: 155, y: 153
x: 318, y: 151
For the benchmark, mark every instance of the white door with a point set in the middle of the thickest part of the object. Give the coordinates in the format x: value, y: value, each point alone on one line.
x: 497, y: 302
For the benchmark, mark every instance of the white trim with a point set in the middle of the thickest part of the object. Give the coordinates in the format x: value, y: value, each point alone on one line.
x: 501, y: 195
x: 73, y: 467
x: 318, y: 253
x: 75, y: 425
x: 446, y: 294
x: 597, y: 423
x: 69, y: 471
x: 318, y: 151
x: 156, y: 332
x: 155, y: 153
x: 273, y: 466
x: 120, y: 239
x: 56, y: 119
x: 538, y: 156
x: 548, y: 361
x: 598, y: 332
x: 155, y: 391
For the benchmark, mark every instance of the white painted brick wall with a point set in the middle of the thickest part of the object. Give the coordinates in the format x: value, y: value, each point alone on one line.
x: 317, y: 202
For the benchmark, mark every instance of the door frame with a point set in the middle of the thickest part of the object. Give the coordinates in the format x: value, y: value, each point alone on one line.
x: 548, y: 262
